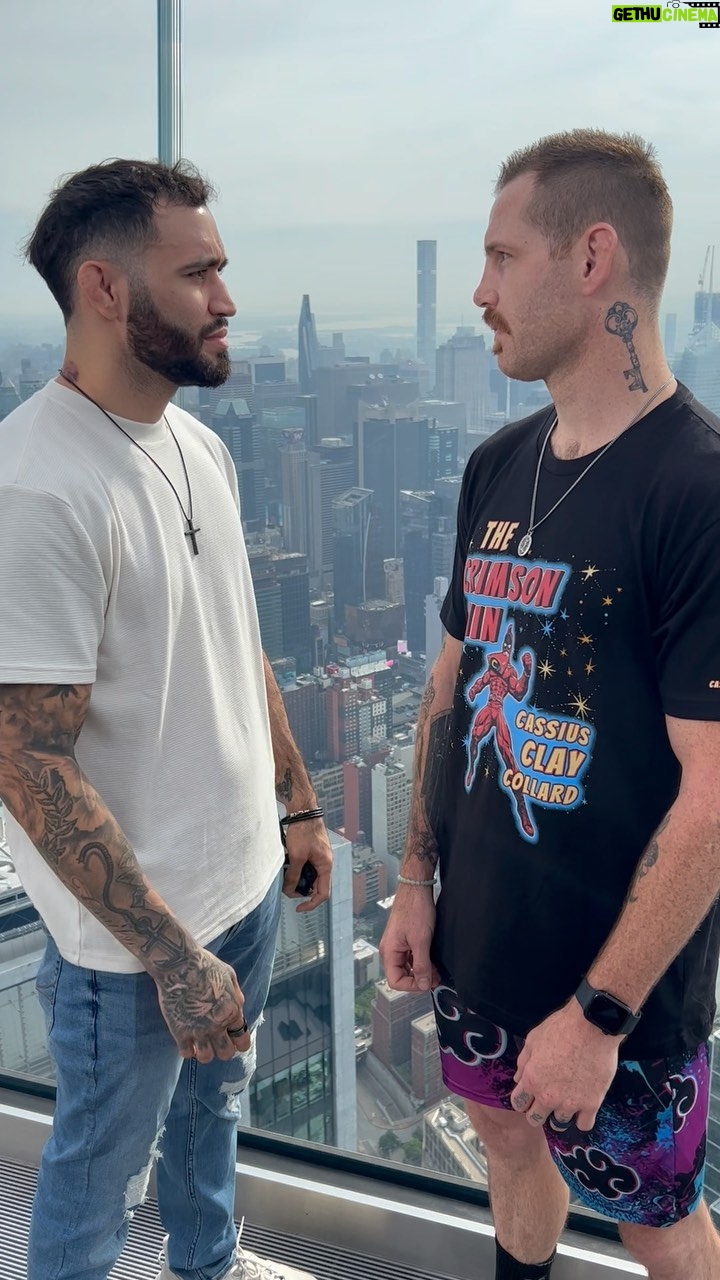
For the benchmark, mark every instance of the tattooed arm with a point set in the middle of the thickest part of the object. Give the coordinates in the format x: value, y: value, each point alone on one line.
x: 678, y: 877
x: 292, y: 783
x: 421, y: 852
x: 567, y: 1065
x: 405, y: 947
x: 45, y: 790
x: 305, y: 841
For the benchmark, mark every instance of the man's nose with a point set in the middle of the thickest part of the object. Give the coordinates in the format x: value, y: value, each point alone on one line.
x: 485, y: 295
x: 222, y: 304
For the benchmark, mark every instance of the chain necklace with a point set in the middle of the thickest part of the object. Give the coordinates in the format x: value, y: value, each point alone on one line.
x: 192, y: 529
x: 525, y: 543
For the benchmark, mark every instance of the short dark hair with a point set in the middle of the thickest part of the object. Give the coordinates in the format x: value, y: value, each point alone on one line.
x: 108, y: 211
x: 587, y: 175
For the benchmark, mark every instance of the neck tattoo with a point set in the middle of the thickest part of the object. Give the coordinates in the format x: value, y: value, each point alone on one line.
x: 525, y: 543
x: 192, y: 530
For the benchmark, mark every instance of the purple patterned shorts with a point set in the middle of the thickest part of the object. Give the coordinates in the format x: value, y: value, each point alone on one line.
x: 644, y: 1159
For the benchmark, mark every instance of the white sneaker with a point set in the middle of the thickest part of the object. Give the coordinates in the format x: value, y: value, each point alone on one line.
x: 247, y: 1266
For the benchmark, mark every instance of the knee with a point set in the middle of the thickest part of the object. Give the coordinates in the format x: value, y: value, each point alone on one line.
x: 505, y: 1133
x: 653, y: 1247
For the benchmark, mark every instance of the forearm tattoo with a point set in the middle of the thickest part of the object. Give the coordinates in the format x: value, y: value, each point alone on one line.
x: 432, y: 774
x: 425, y: 810
x: 648, y: 860
x: 70, y: 826
x: 621, y: 321
x: 284, y: 788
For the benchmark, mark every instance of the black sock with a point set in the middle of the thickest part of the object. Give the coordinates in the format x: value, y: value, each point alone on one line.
x: 508, y: 1268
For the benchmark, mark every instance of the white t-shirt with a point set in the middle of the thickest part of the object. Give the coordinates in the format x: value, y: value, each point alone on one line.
x: 99, y: 585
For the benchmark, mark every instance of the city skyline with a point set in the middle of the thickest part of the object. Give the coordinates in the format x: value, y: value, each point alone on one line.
x: 339, y: 138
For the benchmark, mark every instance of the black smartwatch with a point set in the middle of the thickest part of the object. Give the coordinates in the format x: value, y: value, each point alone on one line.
x: 606, y: 1012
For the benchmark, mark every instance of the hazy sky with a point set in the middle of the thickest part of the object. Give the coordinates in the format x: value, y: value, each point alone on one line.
x: 339, y: 133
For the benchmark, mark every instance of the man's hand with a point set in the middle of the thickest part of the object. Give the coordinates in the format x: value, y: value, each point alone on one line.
x: 405, y: 945
x: 565, y: 1069
x: 308, y: 842
x: 201, y: 1003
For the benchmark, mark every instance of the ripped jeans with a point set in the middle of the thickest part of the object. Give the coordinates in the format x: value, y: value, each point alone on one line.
x: 124, y: 1096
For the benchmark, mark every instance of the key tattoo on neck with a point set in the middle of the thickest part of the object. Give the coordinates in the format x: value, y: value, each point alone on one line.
x: 621, y: 321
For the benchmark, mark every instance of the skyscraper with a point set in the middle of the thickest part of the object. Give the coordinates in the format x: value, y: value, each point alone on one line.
x: 417, y: 517
x: 357, y: 559
x: 391, y: 787
x: 281, y: 583
x: 239, y: 431
x: 393, y: 454
x: 462, y: 373
x: 699, y: 365
x: 304, y: 1085
x: 307, y: 347
x: 294, y: 490
x: 427, y: 306
x: 332, y: 469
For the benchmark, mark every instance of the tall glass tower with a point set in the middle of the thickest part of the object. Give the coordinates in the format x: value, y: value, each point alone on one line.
x: 426, y: 305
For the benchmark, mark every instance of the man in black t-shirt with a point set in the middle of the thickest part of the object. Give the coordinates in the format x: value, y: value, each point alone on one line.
x: 567, y: 748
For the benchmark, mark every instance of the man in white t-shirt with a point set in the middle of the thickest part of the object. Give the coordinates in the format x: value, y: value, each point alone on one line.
x: 143, y: 739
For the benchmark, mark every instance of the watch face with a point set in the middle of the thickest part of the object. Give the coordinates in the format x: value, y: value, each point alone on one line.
x: 607, y: 1014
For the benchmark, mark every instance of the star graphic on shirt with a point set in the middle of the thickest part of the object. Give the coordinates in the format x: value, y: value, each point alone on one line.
x: 585, y: 639
x: 545, y: 669
x: 607, y: 601
x: 564, y: 615
x: 590, y: 571
x: 486, y: 771
x: 569, y: 671
x: 547, y: 629
x: 589, y: 667
x: 579, y: 706
x: 563, y: 653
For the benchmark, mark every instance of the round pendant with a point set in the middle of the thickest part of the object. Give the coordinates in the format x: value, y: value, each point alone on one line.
x: 525, y: 545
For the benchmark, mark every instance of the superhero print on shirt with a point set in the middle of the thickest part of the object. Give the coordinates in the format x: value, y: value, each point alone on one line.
x: 542, y: 752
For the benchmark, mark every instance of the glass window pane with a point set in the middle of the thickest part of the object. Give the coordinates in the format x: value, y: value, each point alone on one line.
x: 328, y: 176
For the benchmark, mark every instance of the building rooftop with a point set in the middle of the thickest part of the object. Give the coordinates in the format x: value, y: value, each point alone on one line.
x: 363, y: 950
x: 237, y: 406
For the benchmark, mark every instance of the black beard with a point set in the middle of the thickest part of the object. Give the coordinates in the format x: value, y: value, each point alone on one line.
x: 171, y: 351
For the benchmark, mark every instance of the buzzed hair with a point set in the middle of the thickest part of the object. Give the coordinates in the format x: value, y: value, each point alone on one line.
x: 587, y: 175
x: 107, y: 211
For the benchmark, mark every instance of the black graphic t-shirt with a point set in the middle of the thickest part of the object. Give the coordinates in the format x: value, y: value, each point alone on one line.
x: 559, y: 767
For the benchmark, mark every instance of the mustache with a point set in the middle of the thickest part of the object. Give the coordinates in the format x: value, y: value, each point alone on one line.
x: 494, y: 320
x: 220, y: 324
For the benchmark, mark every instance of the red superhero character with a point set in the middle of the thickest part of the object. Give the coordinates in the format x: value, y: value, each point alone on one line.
x: 502, y: 679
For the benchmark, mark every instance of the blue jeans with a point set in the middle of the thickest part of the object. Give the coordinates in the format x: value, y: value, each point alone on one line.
x: 124, y: 1097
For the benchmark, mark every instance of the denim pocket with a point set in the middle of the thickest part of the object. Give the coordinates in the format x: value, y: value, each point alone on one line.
x: 46, y: 983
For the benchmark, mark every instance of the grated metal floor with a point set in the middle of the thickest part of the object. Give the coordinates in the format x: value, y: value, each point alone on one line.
x: 139, y: 1260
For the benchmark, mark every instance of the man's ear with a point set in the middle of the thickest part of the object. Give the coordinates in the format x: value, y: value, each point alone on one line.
x: 102, y: 287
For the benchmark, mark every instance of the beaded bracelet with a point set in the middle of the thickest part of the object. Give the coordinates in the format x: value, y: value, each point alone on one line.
x: 424, y: 883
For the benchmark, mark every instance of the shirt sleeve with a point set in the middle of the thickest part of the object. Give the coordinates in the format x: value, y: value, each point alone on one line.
x: 53, y: 593
x: 688, y: 632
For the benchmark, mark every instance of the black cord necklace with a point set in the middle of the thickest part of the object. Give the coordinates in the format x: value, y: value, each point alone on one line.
x: 192, y: 529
